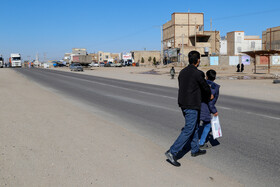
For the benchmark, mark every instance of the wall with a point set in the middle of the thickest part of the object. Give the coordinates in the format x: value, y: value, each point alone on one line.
x: 230, y: 43
x: 223, y: 47
x: 146, y: 54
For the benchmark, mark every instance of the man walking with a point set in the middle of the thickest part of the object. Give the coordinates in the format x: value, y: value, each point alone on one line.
x: 192, y: 87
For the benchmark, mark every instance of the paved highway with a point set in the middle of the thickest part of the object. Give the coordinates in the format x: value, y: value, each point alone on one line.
x: 248, y: 151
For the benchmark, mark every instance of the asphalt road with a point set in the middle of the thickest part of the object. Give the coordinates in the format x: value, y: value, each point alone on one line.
x: 248, y: 150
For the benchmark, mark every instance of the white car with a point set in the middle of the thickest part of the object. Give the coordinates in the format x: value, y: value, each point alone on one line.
x: 94, y: 64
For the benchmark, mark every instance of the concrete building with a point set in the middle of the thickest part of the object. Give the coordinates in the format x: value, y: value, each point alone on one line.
x: 271, y: 39
x: 94, y: 57
x: 78, y: 55
x: 185, y: 32
x: 146, y: 55
x: 108, y: 57
x: 223, y: 46
x: 79, y: 51
x: 237, y: 43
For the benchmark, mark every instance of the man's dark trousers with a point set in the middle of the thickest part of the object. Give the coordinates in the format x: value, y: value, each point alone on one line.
x: 190, y: 131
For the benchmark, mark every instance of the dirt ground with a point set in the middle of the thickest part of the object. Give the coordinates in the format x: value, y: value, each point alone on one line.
x: 44, y: 143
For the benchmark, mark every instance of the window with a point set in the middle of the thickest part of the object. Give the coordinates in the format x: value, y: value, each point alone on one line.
x: 238, y: 39
x: 106, y: 56
x: 253, y: 44
x: 239, y: 49
x: 100, y: 54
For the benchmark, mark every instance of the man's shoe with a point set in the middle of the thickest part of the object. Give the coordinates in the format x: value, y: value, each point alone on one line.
x: 205, y: 146
x: 171, y: 159
x: 199, y: 152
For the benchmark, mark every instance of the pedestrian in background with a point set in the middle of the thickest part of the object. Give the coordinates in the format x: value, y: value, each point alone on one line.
x: 208, y: 108
x: 238, y: 68
x: 242, y: 67
x: 172, y: 72
x: 192, y: 87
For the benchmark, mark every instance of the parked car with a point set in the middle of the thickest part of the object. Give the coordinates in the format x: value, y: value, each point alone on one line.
x: 76, y: 67
x: 94, y: 64
x: 109, y: 64
x: 118, y: 64
x: 101, y: 64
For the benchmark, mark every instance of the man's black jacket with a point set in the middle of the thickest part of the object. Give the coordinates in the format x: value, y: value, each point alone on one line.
x: 192, y: 88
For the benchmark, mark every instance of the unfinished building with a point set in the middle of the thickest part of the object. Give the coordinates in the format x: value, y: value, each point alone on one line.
x: 271, y: 38
x: 184, y: 33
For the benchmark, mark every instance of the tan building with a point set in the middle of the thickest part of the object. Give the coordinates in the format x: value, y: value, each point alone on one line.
x: 238, y: 42
x: 94, y: 57
x: 107, y: 56
x: 271, y: 39
x: 185, y: 32
x: 146, y: 55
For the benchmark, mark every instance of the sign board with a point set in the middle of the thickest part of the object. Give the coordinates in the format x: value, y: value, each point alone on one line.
x: 276, y: 60
x: 246, y: 60
x: 214, y: 60
x: 264, y: 60
x: 127, y: 56
x: 171, y: 52
x: 233, y: 60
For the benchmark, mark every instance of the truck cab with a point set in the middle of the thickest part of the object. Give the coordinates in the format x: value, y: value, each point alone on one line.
x: 1, y: 62
x: 15, y: 60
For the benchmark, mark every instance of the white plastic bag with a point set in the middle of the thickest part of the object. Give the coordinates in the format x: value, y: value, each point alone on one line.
x: 216, y: 127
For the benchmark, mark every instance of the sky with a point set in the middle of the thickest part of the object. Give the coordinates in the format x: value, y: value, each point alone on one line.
x: 53, y: 27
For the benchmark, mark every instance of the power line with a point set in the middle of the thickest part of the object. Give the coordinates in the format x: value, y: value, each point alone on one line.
x: 247, y: 14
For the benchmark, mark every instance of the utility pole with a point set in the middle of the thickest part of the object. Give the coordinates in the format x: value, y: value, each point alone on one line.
x: 44, y: 57
x: 182, y: 50
x: 211, y: 24
x: 195, y: 34
x: 161, y: 45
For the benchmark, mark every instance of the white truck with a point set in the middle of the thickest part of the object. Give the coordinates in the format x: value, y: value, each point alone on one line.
x: 15, y: 60
x: 1, y: 62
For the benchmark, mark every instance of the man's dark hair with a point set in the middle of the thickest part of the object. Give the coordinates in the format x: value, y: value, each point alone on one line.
x: 211, y: 74
x: 193, y: 57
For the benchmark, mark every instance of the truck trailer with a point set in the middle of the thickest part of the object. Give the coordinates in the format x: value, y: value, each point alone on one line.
x: 15, y: 60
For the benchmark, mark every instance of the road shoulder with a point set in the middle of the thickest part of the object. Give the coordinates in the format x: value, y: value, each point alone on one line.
x: 50, y: 142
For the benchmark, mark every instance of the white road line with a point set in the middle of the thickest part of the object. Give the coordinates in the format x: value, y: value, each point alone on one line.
x: 262, y: 115
x: 148, y: 93
x: 222, y: 107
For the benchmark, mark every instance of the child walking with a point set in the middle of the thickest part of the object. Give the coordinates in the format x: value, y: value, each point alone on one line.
x: 208, y: 108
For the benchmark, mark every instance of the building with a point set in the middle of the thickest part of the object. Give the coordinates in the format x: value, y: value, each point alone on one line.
x: 223, y: 46
x: 271, y: 39
x: 108, y: 57
x: 237, y: 43
x: 78, y: 55
x: 146, y: 55
x: 184, y: 33
x: 79, y: 51
x: 94, y: 57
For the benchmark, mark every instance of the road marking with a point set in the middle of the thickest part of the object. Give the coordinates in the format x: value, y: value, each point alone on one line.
x: 104, y: 84
x: 222, y: 107
x: 262, y: 115
x: 148, y: 93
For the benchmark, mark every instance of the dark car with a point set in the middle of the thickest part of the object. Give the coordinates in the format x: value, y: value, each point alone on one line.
x: 76, y: 67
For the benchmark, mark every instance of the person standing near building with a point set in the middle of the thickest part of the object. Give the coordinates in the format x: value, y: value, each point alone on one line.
x: 172, y: 72
x: 192, y: 87
x: 242, y: 67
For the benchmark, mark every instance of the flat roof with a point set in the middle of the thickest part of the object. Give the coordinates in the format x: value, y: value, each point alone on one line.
x: 200, y: 35
x: 261, y: 52
x: 186, y: 13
